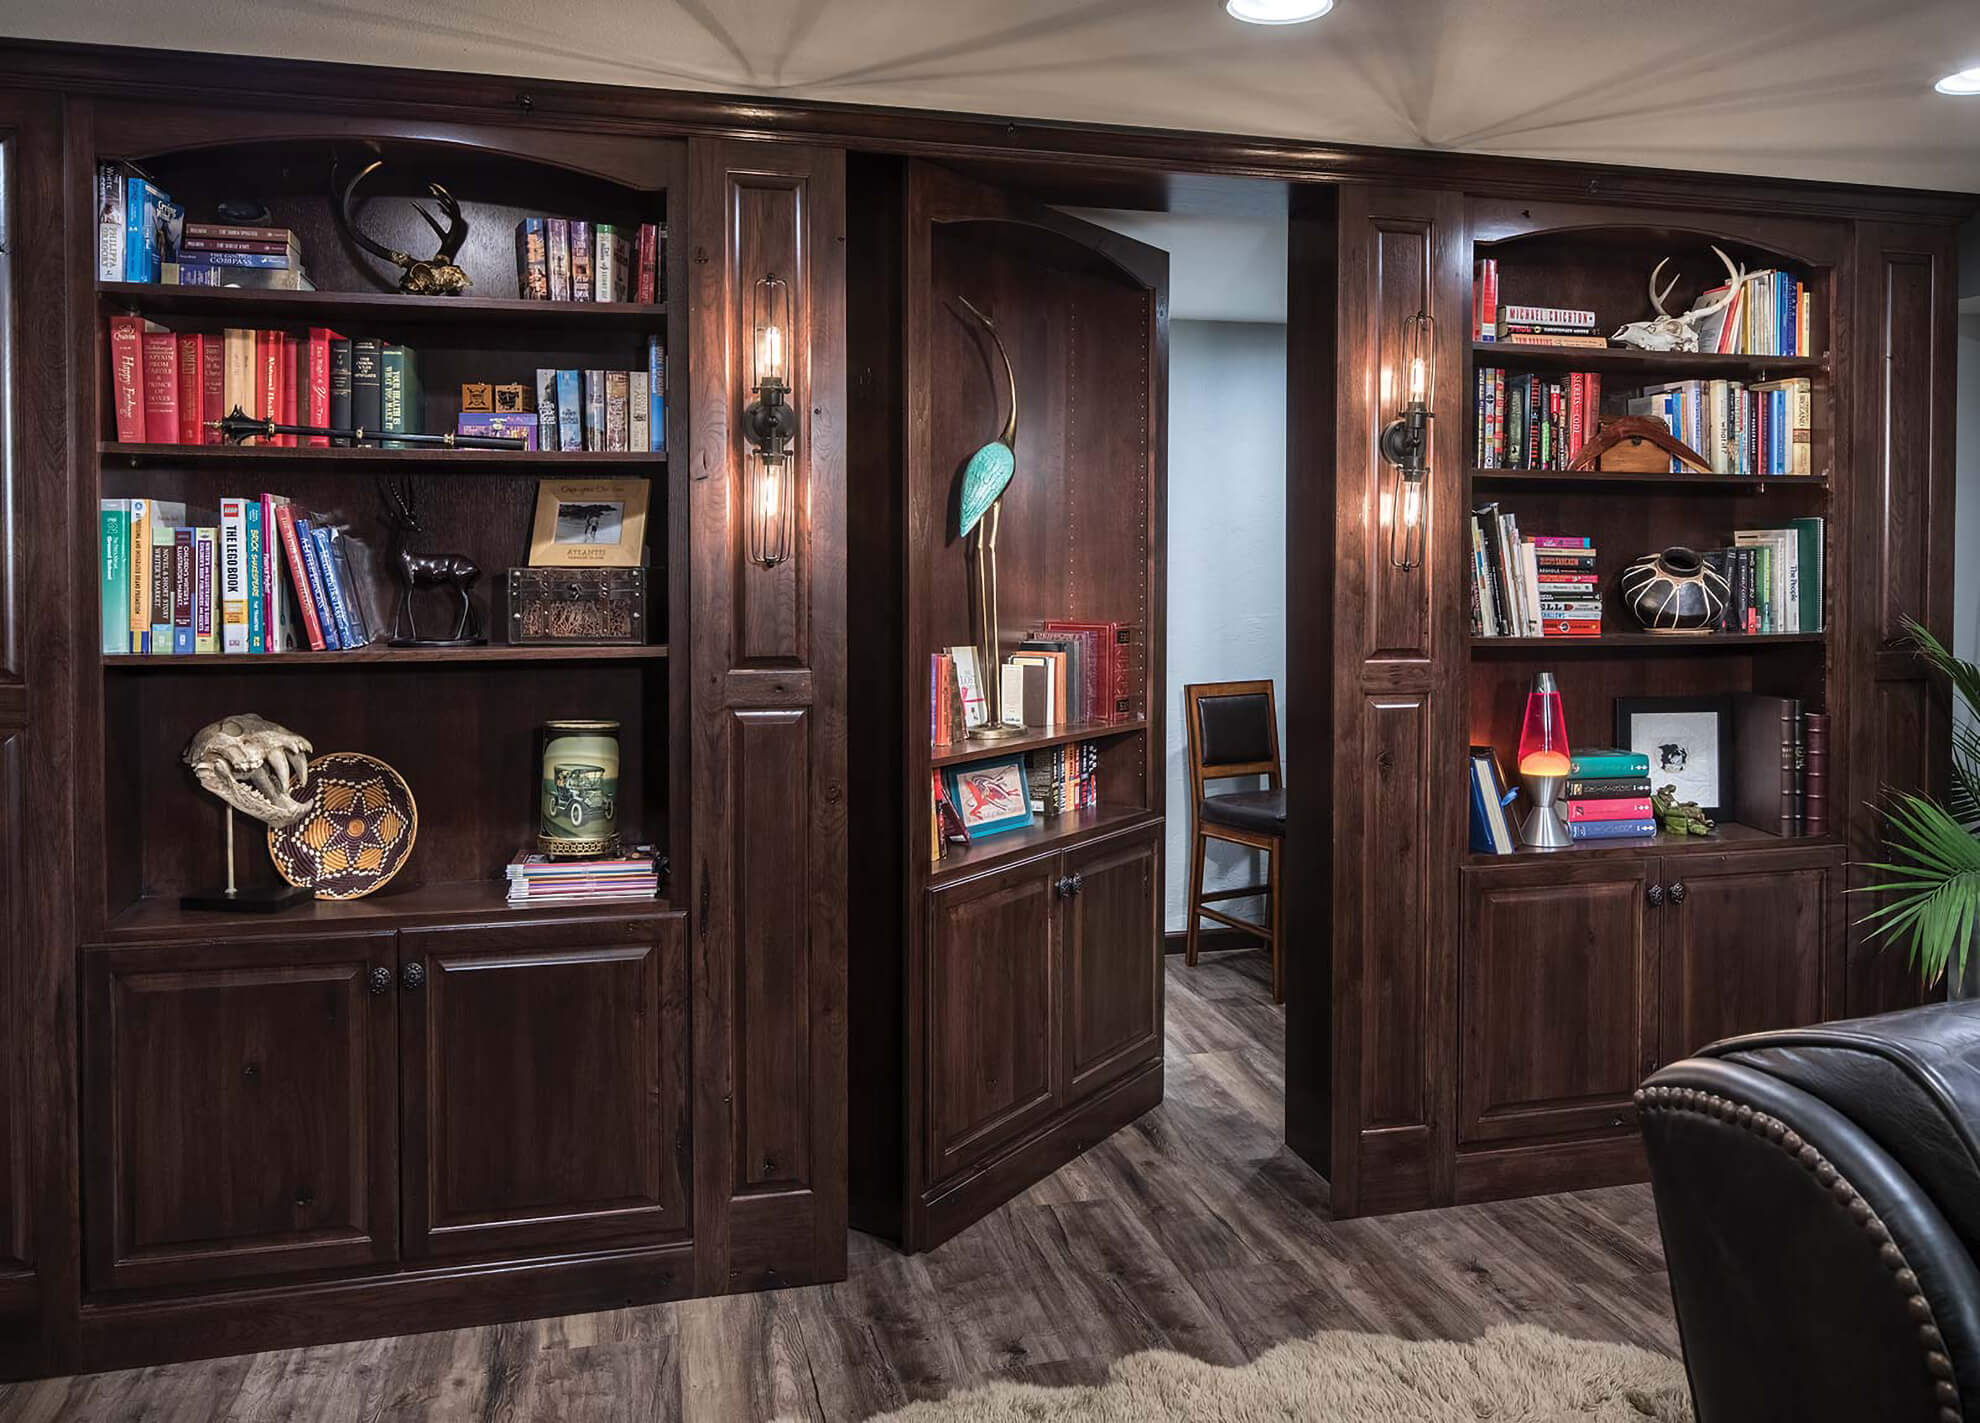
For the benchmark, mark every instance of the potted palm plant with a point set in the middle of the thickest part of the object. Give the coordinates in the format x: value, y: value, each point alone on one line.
x: 1931, y: 886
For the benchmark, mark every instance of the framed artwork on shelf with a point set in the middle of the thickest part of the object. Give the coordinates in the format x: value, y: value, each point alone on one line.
x: 589, y: 523
x: 990, y: 796
x: 1689, y: 743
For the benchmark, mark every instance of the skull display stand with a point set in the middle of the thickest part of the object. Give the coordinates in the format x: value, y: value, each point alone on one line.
x: 253, y: 766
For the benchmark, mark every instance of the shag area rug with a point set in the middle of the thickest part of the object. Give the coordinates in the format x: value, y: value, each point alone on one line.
x: 1514, y: 1374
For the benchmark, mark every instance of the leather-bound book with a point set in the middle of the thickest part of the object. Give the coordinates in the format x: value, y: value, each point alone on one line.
x: 1815, y: 773
x: 1766, y: 770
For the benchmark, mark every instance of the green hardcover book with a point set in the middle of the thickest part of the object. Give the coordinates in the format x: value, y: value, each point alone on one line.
x: 1608, y: 761
x: 116, y: 525
x: 398, y: 378
x: 1809, y: 534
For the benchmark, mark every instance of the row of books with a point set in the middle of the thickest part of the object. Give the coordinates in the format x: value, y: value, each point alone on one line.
x: 1607, y: 796
x: 613, y: 411
x: 1533, y: 422
x: 1765, y: 429
x: 1770, y: 315
x: 570, y: 259
x: 970, y: 802
x: 1776, y: 577
x: 1066, y: 673
x: 143, y: 236
x: 536, y: 878
x: 1544, y: 586
x: 257, y: 576
x: 1780, y: 765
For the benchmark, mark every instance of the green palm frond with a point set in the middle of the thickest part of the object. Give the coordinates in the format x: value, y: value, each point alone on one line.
x: 1964, y: 798
x: 1932, y: 895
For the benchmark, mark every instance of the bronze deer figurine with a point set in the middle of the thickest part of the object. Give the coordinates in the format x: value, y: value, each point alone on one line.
x: 426, y: 570
x: 437, y: 275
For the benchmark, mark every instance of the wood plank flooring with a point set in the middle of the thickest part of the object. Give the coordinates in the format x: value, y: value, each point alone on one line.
x: 1193, y: 1229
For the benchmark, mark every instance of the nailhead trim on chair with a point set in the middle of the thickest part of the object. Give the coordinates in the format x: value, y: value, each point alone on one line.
x: 1689, y: 1099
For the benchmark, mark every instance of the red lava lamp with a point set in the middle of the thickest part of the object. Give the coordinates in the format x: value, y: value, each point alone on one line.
x: 1543, y: 763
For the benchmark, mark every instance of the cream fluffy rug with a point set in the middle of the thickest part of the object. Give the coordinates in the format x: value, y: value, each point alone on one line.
x: 1514, y: 1374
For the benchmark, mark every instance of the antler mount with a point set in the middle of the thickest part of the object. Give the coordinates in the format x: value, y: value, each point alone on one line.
x: 437, y: 275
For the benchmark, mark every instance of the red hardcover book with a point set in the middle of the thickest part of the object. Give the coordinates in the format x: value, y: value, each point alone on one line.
x: 315, y: 402
x: 647, y: 282
x: 1570, y: 627
x: 1114, y: 686
x: 192, y: 369
x: 161, y: 388
x: 1577, y: 405
x: 288, y: 353
x: 126, y: 377
x: 268, y: 376
x: 1627, y: 808
x: 212, y: 386
x: 285, y: 519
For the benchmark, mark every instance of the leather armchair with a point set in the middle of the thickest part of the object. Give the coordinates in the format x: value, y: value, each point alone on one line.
x: 1818, y: 1192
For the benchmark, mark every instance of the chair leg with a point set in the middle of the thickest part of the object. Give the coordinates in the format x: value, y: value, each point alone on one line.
x: 1278, y: 922
x: 1202, y: 849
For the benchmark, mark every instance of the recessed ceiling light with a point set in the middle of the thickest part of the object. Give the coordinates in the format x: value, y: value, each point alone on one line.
x: 1278, y: 12
x: 1967, y: 81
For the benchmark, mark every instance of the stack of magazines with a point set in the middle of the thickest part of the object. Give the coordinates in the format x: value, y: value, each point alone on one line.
x: 536, y: 878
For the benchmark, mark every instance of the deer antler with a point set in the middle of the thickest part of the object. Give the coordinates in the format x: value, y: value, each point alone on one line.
x: 1657, y: 299
x: 1736, y: 277
x: 454, y: 233
x: 376, y: 249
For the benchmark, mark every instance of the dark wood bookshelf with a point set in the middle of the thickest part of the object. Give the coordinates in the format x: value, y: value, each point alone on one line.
x: 368, y: 460
x: 1727, y: 835
x: 1652, y: 365
x: 1665, y: 642
x: 1662, y: 483
x: 1049, y: 832
x: 378, y: 653
x: 967, y: 751
x: 356, y: 308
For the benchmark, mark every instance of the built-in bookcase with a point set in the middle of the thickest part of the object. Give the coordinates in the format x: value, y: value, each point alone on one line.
x: 458, y: 723
x: 1605, y: 269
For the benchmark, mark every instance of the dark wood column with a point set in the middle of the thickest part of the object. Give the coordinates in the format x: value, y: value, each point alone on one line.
x: 766, y: 884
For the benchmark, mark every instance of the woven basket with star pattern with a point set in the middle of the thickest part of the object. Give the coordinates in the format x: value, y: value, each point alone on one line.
x: 357, y: 833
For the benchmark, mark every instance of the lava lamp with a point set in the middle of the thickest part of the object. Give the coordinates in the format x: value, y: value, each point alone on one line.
x: 1543, y: 763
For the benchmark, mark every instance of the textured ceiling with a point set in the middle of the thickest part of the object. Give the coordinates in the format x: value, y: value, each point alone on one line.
x: 1801, y: 88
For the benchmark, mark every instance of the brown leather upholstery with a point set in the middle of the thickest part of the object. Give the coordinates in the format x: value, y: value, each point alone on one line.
x: 1233, y: 730
x: 1236, y: 730
x: 1263, y: 811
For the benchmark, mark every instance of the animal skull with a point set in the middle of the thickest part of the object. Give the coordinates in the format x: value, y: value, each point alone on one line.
x: 253, y: 765
x: 1665, y: 332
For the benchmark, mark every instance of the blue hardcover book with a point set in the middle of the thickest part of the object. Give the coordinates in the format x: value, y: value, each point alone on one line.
x: 1611, y: 829
x: 257, y: 550
x: 570, y: 412
x: 340, y: 565
x: 182, y: 592
x: 142, y: 258
x: 116, y: 524
x: 319, y: 595
x: 656, y: 386
x: 333, y: 588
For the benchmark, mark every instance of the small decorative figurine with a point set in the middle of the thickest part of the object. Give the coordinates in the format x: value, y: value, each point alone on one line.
x: 434, y: 276
x: 417, y: 570
x: 255, y: 767
x: 1675, y: 817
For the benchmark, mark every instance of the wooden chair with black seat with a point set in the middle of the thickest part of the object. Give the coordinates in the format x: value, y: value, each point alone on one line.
x: 1233, y: 730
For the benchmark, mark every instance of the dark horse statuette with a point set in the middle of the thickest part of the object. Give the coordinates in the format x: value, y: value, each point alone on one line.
x: 426, y: 570
x: 436, y: 275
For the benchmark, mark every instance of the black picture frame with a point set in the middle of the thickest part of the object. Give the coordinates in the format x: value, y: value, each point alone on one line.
x: 1712, y: 788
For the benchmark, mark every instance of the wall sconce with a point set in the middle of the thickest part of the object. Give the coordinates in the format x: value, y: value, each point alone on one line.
x: 1406, y: 442
x: 770, y: 425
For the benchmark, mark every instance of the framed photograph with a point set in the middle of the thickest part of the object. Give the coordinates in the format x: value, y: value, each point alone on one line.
x: 1689, y: 743
x: 589, y: 523
x: 990, y: 797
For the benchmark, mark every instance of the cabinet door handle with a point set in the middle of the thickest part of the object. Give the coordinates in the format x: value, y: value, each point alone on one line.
x: 380, y: 979
x: 1677, y: 891
x: 413, y: 976
x: 1655, y: 894
x: 1078, y: 881
x: 1067, y: 886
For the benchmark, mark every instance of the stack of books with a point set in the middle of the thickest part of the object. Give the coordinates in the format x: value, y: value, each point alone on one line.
x: 1607, y: 796
x: 535, y: 878
x: 570, y: 259
x: 1066, y: 673
x: 1544, y: 586
x: 1522, y: 325
x: 213, y: 254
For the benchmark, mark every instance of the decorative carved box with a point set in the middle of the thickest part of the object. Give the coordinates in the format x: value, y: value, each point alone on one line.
x: 577, y: 605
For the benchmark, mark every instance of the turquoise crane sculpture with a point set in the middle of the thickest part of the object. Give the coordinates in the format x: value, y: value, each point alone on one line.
x: 985, y: 478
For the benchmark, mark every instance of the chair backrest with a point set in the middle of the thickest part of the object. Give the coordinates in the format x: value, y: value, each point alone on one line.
x: 1233, y: 730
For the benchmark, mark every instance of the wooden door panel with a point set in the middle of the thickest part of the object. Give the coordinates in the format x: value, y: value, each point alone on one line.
x: 545, y: 1080
x: 1113, y: 960
x: 992, y: 1012
x: 16, y: 1251
x: 1556, y: 998
x: 1746, y: 945
x: 242, y: 1113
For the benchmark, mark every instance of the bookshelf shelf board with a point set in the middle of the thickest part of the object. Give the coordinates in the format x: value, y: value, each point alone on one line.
x: 1729, y: 837
x: 378, y: 653
x: 1663, y: 483
x: 376, y: 461
x: 358, y: 308
x: 1662, y: 642
x: 1035, y: 741
x: 1659, y: 365
x: 468, y: 901
x: 1048, y: 833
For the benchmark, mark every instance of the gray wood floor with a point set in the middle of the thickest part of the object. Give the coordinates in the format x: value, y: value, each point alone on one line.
x: 1191, y: 1230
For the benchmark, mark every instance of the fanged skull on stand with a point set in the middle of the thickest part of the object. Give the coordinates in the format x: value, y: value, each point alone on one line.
x: 253, y: 765
x: 436, y: 275
x: 1665, y: 332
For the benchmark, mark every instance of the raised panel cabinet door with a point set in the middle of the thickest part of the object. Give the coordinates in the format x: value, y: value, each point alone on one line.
x: 544, y: 1084
x: 241, y: 1110
x: 992, y: 1013
x: 1109, y: 897
x: 1749, y: 942
x: 1556, y: 998
x: 16, y: 1249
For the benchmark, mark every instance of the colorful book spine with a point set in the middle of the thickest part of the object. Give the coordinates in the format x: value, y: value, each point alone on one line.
x: 1608, y: 763
x: 340, y: 388
x: 1617, y: 808
x: 163, y: 539
x: 399, y: 384
x: 269, y: 572
x: 367, y: 394
x: 340, y: 566
x: 285, y: 524
x: 546, y: 409
x: 189, y: 368
x: 594, y: 410
x: 1606, y: 787
x: 1611, y: 829
x: 333, y: 591
x: 257, y: 605
x: 114, y: 527
x: 206, y: 634
x: 583, y: 266
x: 639, y: 411
x: 142, y: 256
x: 182, y: 592
x: 656, y: 395
x: 315, y: 402
x: 126, y: 377
x: 212, y: 385
x: 110, y: 228
x: 557, y: 242
x: 618, y: 414
x: 570, y: 412
x: 605, y: 265
x: 318, y: 593
x: 532, y: 260
x: 161, y: 387
x: 233, y: 576
x: 646, y: 285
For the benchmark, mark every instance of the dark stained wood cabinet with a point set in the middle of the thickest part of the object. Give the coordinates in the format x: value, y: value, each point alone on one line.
x: 242, y: 1109
x: 16, y: 1184
x: 1110, y: 934
x: 544, y: 1074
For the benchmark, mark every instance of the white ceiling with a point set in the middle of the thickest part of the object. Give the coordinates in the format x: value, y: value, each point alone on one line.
x: 1834, y: 89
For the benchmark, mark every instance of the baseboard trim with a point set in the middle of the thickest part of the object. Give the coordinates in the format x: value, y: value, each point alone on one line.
x: 1211, y: 939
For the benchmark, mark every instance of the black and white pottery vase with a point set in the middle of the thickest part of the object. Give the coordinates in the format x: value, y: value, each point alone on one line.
x: 1675, y: 591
